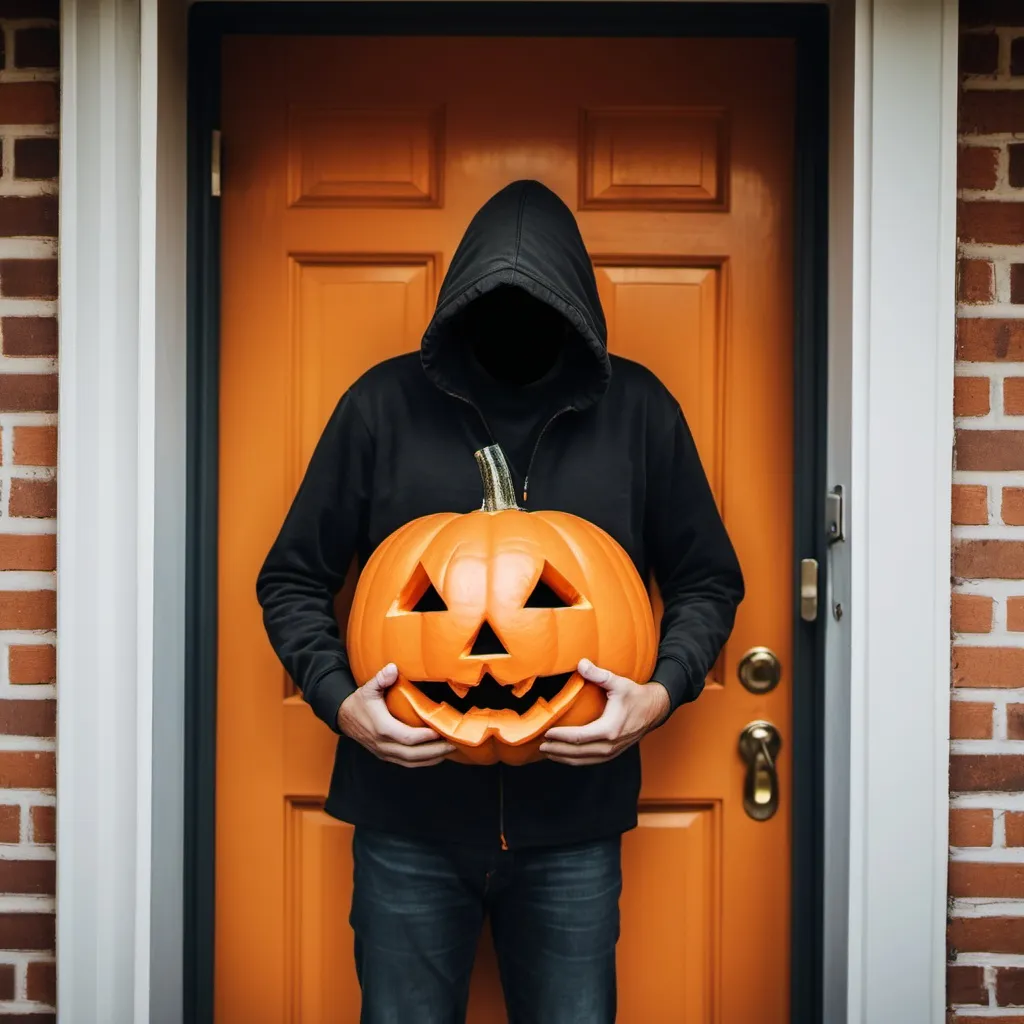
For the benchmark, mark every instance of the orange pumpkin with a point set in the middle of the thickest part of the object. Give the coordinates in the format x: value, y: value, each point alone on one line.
x: 487, y: 614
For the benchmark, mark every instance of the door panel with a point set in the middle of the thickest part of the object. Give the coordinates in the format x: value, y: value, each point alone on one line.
x: 352, y: 167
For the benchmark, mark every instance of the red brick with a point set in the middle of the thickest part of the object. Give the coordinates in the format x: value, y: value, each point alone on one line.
x: 31, y: 664
x: 1013, y: 396
x: 1015, y: 614
x: 970, y: 827
x: 965, y: 985
x: 1015, y: 171
x: 1017, y: 283
x: 33, y: 499
x: 36, y: 48
x: 974, y: 281
x: 986, y: 935
x: 35, y: 446
x: 44, y: 824
x: 988, y: 666
x: 6, y: 981
x: 32, y: 1018
x: 27, y: 877
x: 975, y: 168
x: 979, y: 53
x: 970, y: 504
x: 972, y: 613
x: 973, y: 881
x: 34, y: 216
x: 27, y: 769
x: 26, y: 931
x: 30, y: 335
x: 28, y: 609
x: 28, y: 279
x: 971, y: 396
x: 1013, y: 506
x: 995, y: 450
x: 42, y: 982
x: 1010, y: 986
x: 990, y: 111
x: 28, y: 392
x: 28, y: 103
x: 984, y: 339
x: 991, y: 559
x: 971, y: 1019
x: 28, y: 551
x: 37, y: 159
x: 970, y: 720
x: 28, y: 718
x: 980, y: 773
x: 997, y: 222
x: 10, y: 823
x: 1015, y: 721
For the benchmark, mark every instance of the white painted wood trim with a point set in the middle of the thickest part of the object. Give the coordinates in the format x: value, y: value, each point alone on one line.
x: 120, y: 534
x: 122, y: 513
x: 893, y: 249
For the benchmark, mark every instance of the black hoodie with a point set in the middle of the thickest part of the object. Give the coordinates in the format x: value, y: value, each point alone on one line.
x: 400, y: 445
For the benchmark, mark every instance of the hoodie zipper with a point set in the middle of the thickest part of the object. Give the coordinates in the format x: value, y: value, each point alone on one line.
x: 533, y: 454
x: 501, y: 806
x: 526, y: 486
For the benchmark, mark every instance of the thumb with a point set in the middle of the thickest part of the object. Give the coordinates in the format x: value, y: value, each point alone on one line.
x: 385, y: 678
x: 604, y: 678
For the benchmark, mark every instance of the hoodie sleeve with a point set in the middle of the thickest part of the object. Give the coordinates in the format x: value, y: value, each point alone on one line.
x: 308, y: 561
x: 693, y: 559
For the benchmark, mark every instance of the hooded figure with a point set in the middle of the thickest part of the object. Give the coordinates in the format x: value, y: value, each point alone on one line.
x: 516, y: 353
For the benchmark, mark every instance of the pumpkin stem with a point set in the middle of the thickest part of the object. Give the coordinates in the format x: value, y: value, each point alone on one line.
x: 499, y: 494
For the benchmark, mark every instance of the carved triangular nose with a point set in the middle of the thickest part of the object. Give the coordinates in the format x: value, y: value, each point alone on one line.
x: 487, y: 642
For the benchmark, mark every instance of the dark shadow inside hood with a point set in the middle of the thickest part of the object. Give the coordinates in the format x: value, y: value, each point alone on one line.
x: 522, y: 237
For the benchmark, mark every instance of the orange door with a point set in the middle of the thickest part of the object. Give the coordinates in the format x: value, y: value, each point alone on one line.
x: 352, y: 167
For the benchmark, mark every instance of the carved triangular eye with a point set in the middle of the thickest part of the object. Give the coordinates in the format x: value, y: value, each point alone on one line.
x: 420, y: 595
x: 431, y: 601
x: 553, y: 590
x: 544, y: 597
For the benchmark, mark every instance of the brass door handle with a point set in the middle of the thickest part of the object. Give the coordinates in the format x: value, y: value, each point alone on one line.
x: 759, y: 746
x: 759, y: 670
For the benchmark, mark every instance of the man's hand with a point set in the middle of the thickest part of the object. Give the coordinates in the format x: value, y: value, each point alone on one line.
x: 365, y: 717
x: 632, y: 710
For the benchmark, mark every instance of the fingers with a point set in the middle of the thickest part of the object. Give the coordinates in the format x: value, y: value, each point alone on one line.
x: 601, y: 676
x: 394, y: 731
x: 606, y: 727
x: 414, y: 757
x: 386, y: 677
x: 602, y: 749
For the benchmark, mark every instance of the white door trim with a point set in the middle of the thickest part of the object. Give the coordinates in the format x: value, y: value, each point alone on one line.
x: 121, y: 527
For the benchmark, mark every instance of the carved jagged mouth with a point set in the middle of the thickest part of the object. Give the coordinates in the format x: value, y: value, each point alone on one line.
x: 492, y: 695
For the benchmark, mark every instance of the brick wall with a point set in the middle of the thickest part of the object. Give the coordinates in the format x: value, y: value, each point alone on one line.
x: 28, y: 452
x: 986, y: 825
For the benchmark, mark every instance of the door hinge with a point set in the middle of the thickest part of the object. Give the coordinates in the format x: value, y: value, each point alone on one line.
x: 835, y: 515
x: 809, y: 589
x: 215, y: 146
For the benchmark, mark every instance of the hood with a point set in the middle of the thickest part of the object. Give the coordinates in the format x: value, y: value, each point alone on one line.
x: 523, y: 237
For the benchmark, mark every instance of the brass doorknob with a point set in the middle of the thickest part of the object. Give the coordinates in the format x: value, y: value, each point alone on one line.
x: 759, y: 745
x: 760, y: 670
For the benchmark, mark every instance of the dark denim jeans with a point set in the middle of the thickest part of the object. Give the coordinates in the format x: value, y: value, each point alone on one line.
x: 418, y: 909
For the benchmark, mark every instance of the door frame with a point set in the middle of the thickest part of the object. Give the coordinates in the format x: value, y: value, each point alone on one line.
x: 808, y: 27
x: 134, y: 864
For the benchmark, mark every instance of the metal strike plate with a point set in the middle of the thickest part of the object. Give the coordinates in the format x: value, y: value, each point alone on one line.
x: 835, y: 515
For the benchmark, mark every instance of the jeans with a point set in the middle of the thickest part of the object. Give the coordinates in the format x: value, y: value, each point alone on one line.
x: 418, y: 909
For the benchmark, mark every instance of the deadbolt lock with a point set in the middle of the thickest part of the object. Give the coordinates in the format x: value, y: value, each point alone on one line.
x: 759, y: 746
x: 760, y: 670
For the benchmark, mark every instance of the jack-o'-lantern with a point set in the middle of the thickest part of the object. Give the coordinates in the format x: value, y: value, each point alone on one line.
x: 486, y: 616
